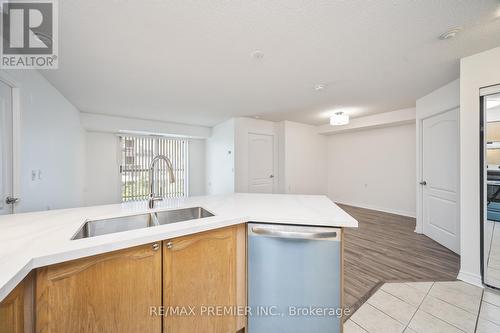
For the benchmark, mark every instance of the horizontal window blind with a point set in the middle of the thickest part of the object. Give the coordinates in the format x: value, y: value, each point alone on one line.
x: 136, y: 155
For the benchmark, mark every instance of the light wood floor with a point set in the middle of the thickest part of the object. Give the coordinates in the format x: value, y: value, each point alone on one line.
x: 385, y: 248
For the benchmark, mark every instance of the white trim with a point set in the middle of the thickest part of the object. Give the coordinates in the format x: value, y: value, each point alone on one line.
x: 16, y: 134
x: 377, y: 208
x: 491, y: 90
x: 16, y: 145
x: 187, y: 180
x: 419, y: 225
x: 470, y: 278
x: 143, y: 134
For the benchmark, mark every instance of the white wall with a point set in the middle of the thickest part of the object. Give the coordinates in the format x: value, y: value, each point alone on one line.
x: 102, y: 180
x: 476, y: 71
x: 374, y: 169
x: 299, y: 156
x: 197, y: 167
x: 220, y: 159
x: 304, y: 159
x: 52, y: 142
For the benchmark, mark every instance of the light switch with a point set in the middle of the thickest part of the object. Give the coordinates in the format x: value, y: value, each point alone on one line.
x: 33, y: 175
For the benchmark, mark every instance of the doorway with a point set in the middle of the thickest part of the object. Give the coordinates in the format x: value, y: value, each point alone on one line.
x: 440, y: 178
x: 490, y: 185
x: 260, y: 163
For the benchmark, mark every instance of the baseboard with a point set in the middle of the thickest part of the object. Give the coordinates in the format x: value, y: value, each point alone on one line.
x: 470, y: 278
x: 380, y: 209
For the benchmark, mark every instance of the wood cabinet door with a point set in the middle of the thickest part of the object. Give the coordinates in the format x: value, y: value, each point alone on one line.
x: 16, y: 310
x: 203, y: 272
x: 107, y: 293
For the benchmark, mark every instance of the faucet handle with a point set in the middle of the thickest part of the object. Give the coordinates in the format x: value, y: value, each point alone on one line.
x: 152, y: 199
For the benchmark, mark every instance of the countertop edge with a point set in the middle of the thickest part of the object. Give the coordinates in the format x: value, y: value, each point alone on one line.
x: 92, y: 250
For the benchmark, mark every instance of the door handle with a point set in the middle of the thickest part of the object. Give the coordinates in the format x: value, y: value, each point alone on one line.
x: 271, y: 176
x: 423, y: 182
x: 10, y: 200
x: 293, y: 234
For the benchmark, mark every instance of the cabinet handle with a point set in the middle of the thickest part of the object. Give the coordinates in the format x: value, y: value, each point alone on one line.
x: 156, y: 246
x: 170, y: 245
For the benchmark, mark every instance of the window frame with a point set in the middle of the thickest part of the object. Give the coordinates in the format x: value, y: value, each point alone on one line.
x: 144, y: 148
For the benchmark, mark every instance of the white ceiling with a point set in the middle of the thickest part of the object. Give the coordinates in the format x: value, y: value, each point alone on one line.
x: 190, y: 61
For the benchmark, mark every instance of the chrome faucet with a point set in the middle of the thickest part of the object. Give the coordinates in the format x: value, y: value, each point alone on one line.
x: 152, y: 196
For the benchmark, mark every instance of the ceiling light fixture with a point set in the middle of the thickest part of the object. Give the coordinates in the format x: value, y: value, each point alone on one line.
x: 339, y: 118
x: 450, y: 33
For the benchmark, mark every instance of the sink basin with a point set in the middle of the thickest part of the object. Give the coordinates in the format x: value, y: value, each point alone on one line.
x: 118, y: 224
x: 178, y: 215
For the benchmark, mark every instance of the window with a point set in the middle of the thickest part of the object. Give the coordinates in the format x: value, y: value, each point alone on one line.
x: 136, y: 154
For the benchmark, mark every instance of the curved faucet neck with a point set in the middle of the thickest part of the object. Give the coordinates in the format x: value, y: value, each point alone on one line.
x: 152, y: 196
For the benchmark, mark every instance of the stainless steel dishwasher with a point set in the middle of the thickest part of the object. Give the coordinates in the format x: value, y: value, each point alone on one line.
x: 294, y: 279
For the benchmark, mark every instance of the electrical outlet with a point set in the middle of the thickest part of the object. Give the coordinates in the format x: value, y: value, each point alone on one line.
x: 33, y: 175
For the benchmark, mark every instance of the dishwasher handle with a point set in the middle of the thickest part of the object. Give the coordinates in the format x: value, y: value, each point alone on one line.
x: 263, y: 231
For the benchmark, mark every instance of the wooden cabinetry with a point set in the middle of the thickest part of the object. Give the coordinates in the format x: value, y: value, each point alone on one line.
x: 16, y: 310
x: 122, y: 291
x: 112, y: 292
x: 205, y: 272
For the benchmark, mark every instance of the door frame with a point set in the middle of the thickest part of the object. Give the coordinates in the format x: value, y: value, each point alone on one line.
x: 483, y: 93
x: 419, y: 227
x: 16, y: 133
x: 275, y: 158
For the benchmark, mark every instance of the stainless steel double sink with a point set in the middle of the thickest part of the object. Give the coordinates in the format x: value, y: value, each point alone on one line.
x: 108, y: 226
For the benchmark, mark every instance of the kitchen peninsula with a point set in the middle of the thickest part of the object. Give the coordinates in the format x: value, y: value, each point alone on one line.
x: 45, y: 272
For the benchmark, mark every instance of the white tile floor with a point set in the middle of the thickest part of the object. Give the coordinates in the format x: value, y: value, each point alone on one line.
x: 428, y: 307
x: 493, y: 265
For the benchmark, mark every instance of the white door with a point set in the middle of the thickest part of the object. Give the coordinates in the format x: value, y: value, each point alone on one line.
x: 260, y: 163
x: 440, y: 179
x: 5, y: 148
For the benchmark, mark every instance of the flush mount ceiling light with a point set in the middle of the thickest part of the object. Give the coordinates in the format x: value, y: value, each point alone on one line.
x: 339, y: 118
x: 450, y: 33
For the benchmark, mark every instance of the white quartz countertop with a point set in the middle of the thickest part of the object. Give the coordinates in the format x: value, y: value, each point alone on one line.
x: 32, y: 240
